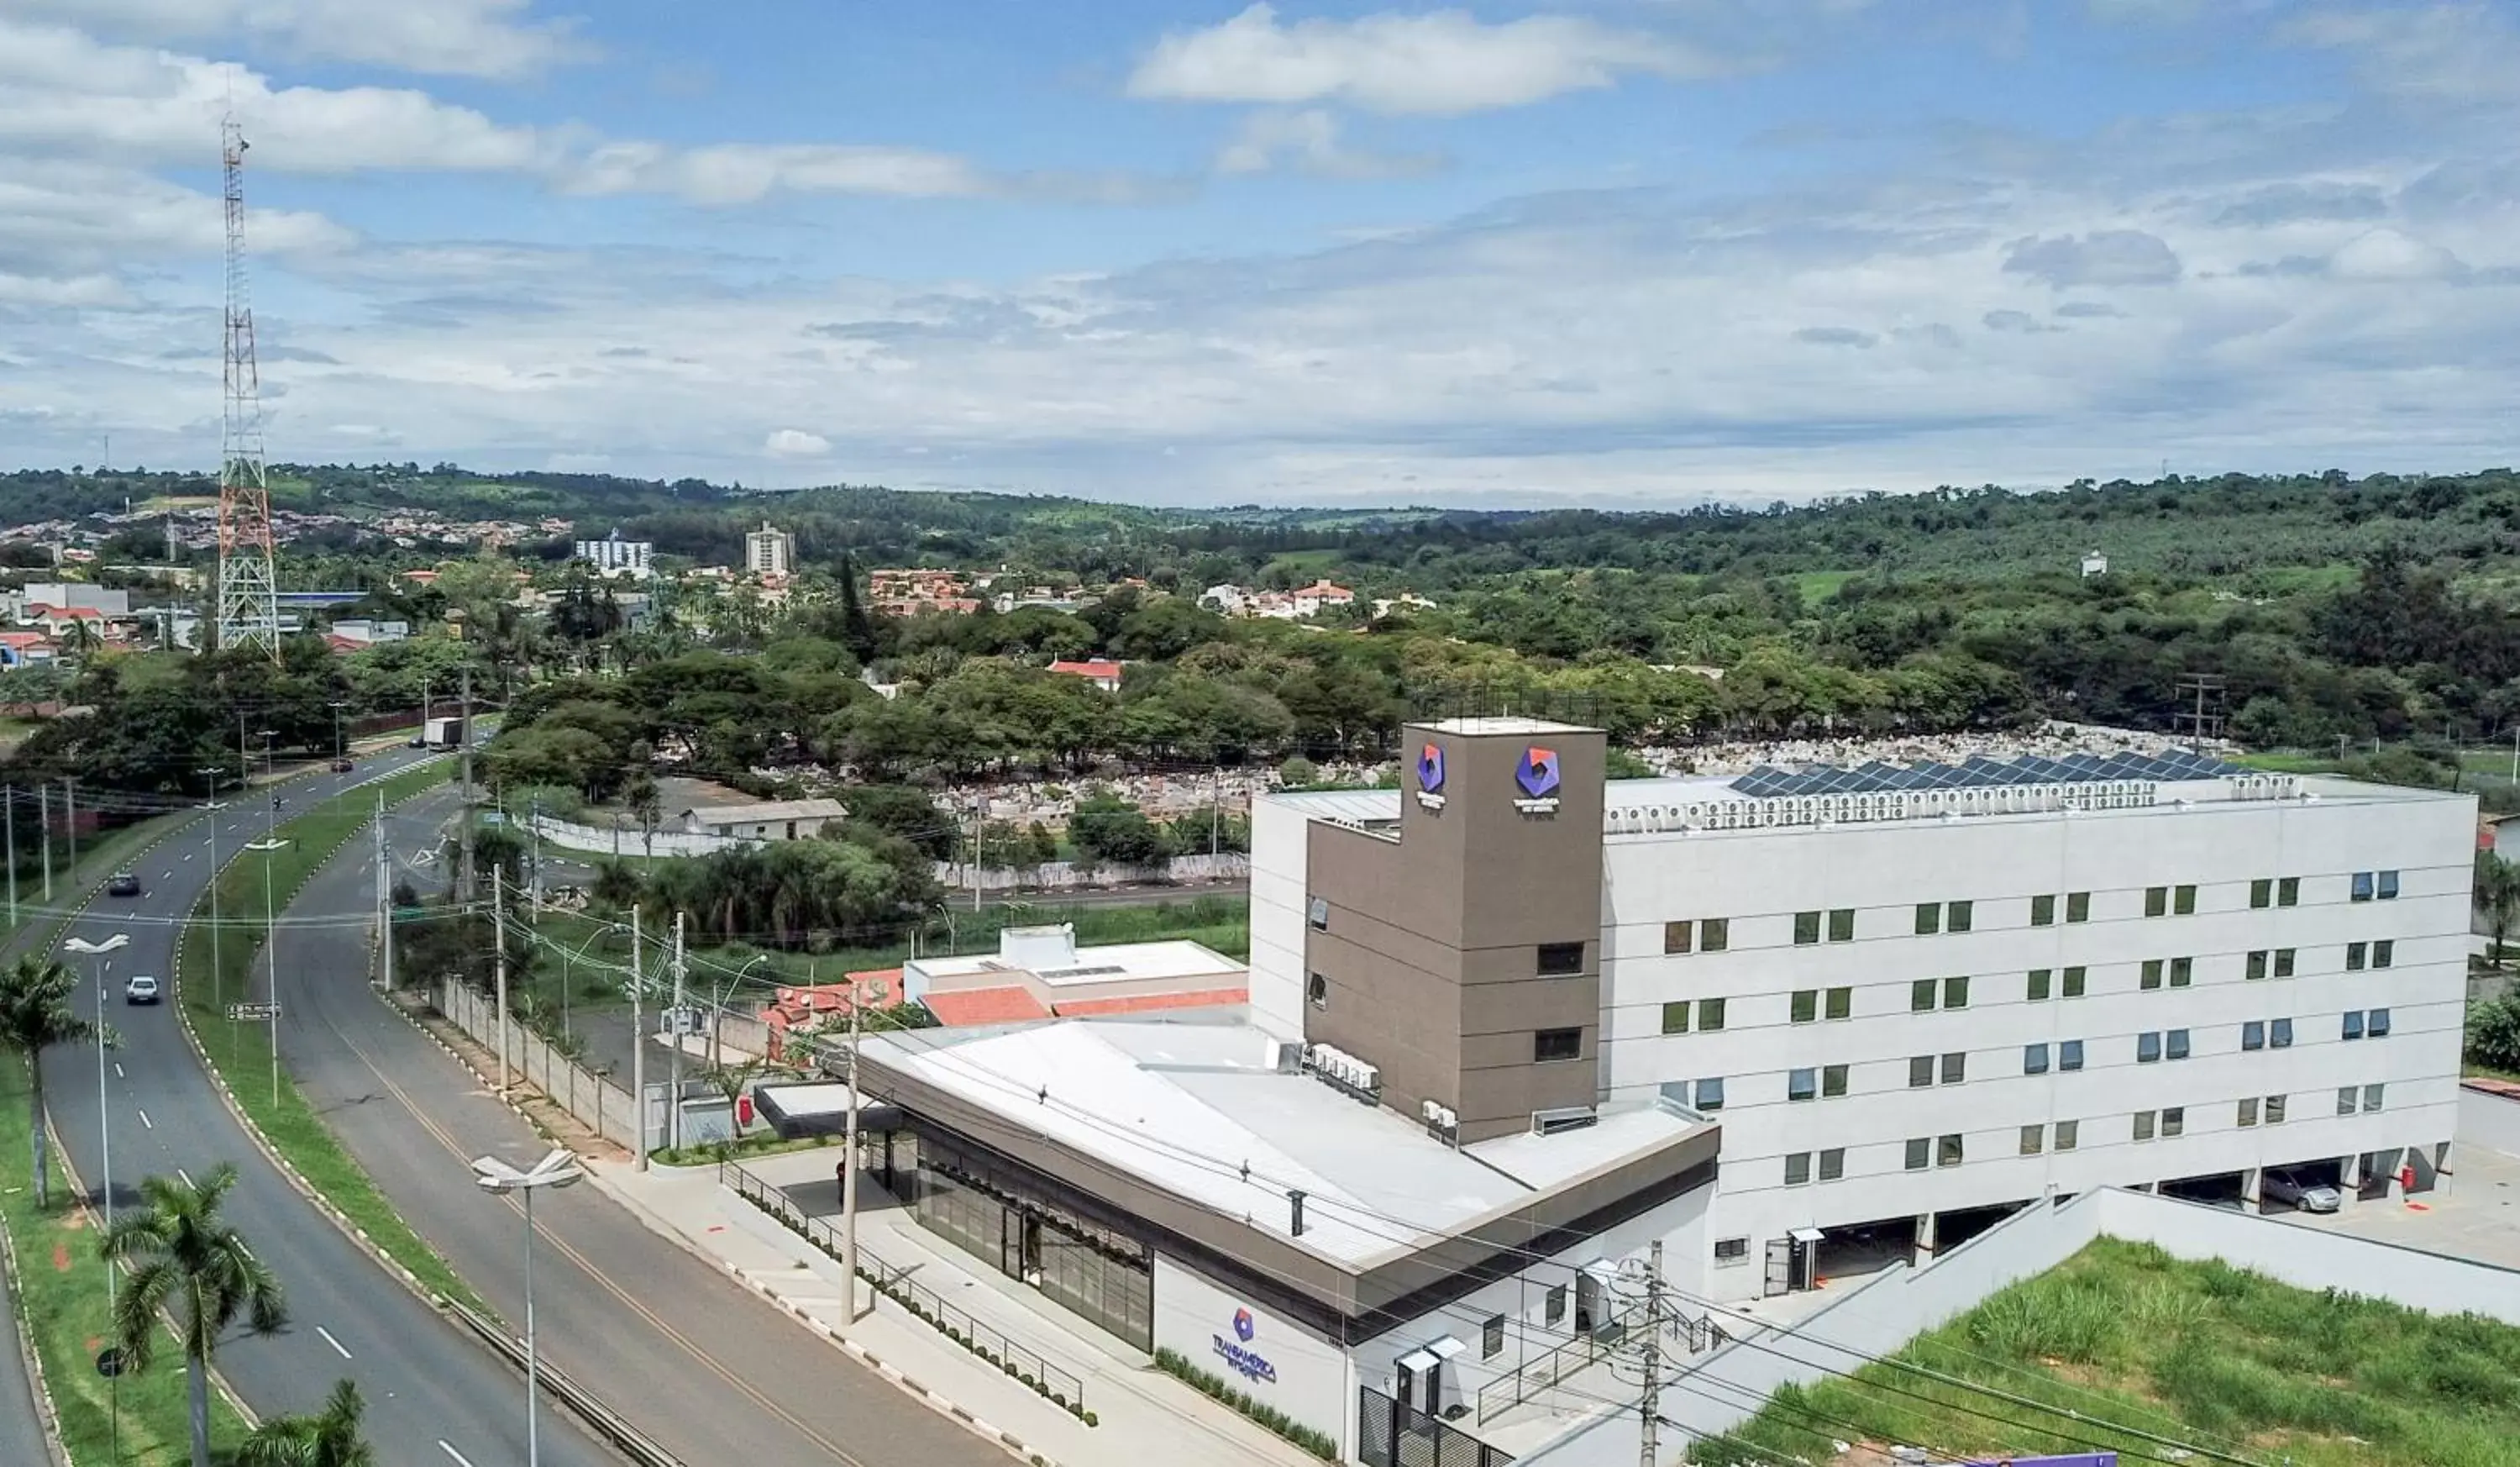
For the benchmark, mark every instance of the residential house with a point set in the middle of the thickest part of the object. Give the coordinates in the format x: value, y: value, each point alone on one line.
x: 1101, y: 671
x: 769, y: 820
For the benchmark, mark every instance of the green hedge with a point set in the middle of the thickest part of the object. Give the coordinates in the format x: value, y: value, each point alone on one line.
x: 1320, y: 1443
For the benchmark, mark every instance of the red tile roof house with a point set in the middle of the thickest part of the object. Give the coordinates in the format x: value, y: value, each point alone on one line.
x: 803, y: 1010
x: 1103, y: 673
x: 1039, y: 972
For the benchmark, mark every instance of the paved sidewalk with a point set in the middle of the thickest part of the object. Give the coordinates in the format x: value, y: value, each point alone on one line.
x: 1146, y: 1417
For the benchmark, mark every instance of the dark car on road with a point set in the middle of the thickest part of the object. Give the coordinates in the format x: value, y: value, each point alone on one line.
x: 123, y: 883
x: 342, y: 767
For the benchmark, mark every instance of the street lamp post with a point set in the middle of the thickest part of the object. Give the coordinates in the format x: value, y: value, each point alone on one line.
x: 270, y: 919
x: 557, y: 1168
x: 337, y: 750
x: 102, y: 970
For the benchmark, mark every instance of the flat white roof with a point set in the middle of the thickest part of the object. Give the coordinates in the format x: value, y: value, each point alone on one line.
x: 1190, y: 1107
x: 1507, y: 723
x: 1115, y: 963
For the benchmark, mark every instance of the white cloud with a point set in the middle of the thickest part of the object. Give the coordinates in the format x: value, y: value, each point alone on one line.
x: 741, y: 173
x: 2442, y: 53
x: 794, y: 442
x: 1309, y: 142
x: 490, y: 38
x: 2385, y: 255
x: 2104, y: 257
x: 1442, y: 62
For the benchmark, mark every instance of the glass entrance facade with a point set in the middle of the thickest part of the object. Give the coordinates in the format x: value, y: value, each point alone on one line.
x: 1005, y: 1217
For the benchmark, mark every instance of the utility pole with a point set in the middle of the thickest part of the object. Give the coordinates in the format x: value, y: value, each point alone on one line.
x: 44, y: 830
x: 70, y: 817
x: 1215, y: 818
x: 674, y: 1032
x: 463, y: 857
x: 1650, y: 1407
x: 385, y: 895
x: 979, y: 814
x: 11, y: 796
x: 499, y: 923
x: 534, y: 825
x: 270, y: 920
x: 638, y: 1039
x: 218, y: 974
x: 849, y: 1180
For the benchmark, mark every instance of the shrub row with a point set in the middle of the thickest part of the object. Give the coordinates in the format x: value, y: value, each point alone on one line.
x: 1320, y: 1443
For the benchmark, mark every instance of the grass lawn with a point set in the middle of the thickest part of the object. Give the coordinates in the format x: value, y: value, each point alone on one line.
x: 61, y: 1284
x: 1818, y: 586
x: 2204, y: 1354
x: 98, y: 859
x: 241, y: 1052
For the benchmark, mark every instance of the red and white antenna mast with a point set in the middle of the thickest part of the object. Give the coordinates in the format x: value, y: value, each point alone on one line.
x: 249, y: 601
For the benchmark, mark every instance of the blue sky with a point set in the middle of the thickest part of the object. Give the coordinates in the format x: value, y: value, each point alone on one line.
x: 1617, y: 251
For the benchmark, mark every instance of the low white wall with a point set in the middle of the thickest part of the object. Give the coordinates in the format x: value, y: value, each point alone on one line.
x: 2315, y: 1257
x: 606, y: 840
x: 2487, y: 1120
x: 1053, y: 876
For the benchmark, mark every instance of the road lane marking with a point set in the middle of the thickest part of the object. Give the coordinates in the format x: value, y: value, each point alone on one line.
x: 328, y: 1340
x: 185, y: 1177
x: 452, y: 1453
x: 117, y: 1069
x: 145, y: 1120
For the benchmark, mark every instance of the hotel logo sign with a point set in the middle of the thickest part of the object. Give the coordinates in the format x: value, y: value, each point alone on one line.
x: 1538, y: 780
x: 1430, y: 776
x: 1237, y: 1354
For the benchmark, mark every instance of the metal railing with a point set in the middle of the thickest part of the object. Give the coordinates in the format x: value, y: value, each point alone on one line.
x: 1541, y: 1371
x: 973, y: 1334
x: 1389, y: 1434
x: 605, y: 1421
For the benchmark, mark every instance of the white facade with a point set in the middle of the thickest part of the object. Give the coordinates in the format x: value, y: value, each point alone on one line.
x: 1688, y: 851
x: 615, y: 556
x: 768, y: 551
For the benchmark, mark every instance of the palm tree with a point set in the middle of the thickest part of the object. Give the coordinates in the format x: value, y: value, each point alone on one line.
x: 35, y: 1014
x: 328, y: 1439
x: 177, y: 1253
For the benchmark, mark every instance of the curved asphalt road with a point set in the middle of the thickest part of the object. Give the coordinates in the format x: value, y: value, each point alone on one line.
x: 435, y: 1399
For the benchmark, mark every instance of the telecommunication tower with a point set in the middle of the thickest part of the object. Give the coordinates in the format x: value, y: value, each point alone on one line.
x: 249, y: 602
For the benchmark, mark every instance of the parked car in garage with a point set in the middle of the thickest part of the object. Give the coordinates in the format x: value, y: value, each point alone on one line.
x: 140, y: 987
x: 2309, y: 1196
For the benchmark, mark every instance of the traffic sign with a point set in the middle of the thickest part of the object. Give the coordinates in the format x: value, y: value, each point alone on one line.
x: 252, y: 1012
x: 109, y: 1362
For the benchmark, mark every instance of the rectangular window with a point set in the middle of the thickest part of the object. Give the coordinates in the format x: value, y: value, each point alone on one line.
x: 2034, y: 1140
x: 2249, y: 1110
x: 2068, y: 1132
x: 1920, y: 997
x: 1797, y: 1168
x: 1802, y: 1084
x: 2151, y: 975
x: 1714, y: 934
x: 2174, y: 1045
x: 1677, y: 937
x: 1317, y: 914
x: 1550, y: 1044
x: 1920, y: 1072
x: 1832, y: 1080
x: 2034, y: 1059
x: 1806, y: 929
x: 1832, y: 1164
x: 2253, y: 1035
x: 1961, y: 916
x: 1710, y: 1094
x: 2078, y: 907
x: 2043, y: 911
x: 2377, y: 1023
x: 1841, y: 1003
x: 1955, y: 1066
x: 1492, y: 1337
x: 1921, y: 1153
x: 1560, y: 959
x: 2183, y: 972
x: 2040, y: 979
x: 1804, y: 1007
x: 1731, y: 1249
x: 1675, y: 1016
x: 1956, y: 993
x: 2288, y: 891
x: 2356, y: 956
x: 2182, y: 902
x: 2279, y: 1033
x: 2144, y: 1122
x: 2384, y: 953
x: 1946, y: 1150
x: 2156, y: 901
x: 2074, y: 982
x: 1710, y: 1015
x: 2371, y: 1095
x: 2261, y: 892
x: 1554, y: 1312
x: 2174, y: 1121
x: 1316, y: 990
x: 2361, y: 885
x: 1841, y: 924
x: 2256, y: 967
x: 2352, y: 1024
x: 2283, y: 962
x: 1929, y: 917
x: 2275, y: 1109
x: 2346, y: 1098
x: 2069, y: 1054
x: 2388, y: 886
x: 2148, y: 1047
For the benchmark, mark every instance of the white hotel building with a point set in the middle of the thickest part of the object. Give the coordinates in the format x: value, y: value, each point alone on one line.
x: 1914, y: 999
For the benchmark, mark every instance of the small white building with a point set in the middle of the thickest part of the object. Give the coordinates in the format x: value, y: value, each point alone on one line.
x: 2094, y: 564
x: 613, y: 555
x: 1040, y: 970
x: 770, y: 820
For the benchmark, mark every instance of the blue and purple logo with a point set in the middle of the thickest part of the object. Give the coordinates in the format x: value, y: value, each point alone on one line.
x: 1431, y: 768
x: 1538, y: 775
x: 1243, y: 1327
x: 1237, y: 1354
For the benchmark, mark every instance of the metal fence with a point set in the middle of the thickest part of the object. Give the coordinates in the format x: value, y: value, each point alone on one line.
x: 1533, y: 1376
x: 976, y: 1335
x: 1389, y: 1434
